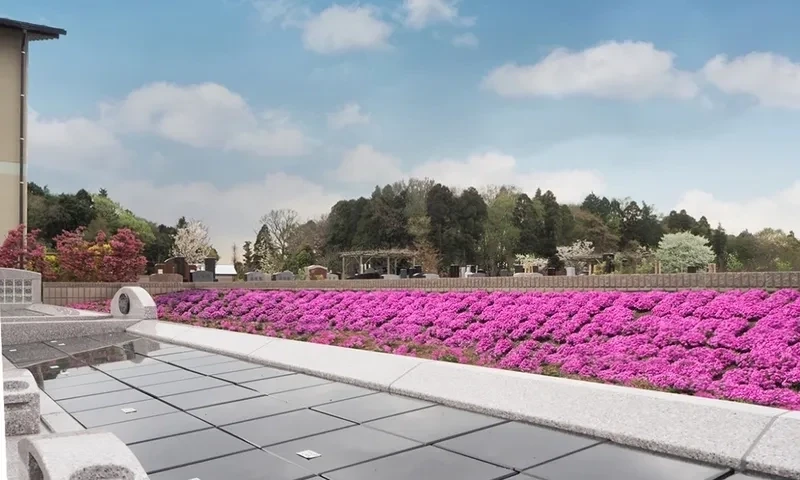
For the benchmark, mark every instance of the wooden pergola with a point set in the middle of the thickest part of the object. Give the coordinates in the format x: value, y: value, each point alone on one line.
x: 389, y: 254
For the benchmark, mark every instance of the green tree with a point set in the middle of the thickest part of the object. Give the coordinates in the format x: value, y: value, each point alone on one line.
x: 502, y: 235
x: 471, y: 214
x: 678, y: 251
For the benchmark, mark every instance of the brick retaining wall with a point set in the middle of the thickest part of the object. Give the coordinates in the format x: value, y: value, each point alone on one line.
x: 61, y: 293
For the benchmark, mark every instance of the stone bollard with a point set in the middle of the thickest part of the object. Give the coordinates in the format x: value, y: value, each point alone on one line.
x: 21, y: 400
x: 79, y: 456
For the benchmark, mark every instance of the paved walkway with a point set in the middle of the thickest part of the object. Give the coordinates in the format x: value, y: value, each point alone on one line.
x: 192, y: 414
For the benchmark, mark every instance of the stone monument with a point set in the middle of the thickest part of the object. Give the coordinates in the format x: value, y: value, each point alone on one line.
x: 133, y: 303
x: 255, y: 277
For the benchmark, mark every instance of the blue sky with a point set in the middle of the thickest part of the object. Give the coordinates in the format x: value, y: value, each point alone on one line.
x: 224, y: 109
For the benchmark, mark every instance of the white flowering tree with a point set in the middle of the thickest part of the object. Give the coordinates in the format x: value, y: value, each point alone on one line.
x: 530, y: 260
x: 575, y: 255
x: 192, y: 242
x: 678, y: 251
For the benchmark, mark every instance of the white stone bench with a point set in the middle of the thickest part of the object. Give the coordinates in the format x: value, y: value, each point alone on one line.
x: 21, y: 400
x: 79, y: 456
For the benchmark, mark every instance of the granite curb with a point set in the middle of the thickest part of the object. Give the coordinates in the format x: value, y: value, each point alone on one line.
x: 742, y: 436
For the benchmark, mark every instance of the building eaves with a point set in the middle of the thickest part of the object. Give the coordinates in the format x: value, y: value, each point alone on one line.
x: 35, y: 32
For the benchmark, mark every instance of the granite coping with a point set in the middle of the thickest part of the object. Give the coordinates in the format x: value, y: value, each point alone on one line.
x: 742, y: 436
x: 48, y: 328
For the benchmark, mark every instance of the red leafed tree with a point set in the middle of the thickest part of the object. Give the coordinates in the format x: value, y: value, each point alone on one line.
x: 119, y: 259
x: 77, y: 260
x: 31, y: 252
x: 125, y: 262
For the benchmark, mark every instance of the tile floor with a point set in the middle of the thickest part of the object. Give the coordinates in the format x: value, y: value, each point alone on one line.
x: 191, y: 414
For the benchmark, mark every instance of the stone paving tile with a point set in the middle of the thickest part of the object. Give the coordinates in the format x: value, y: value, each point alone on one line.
x: 94, y: 388
x: 426, y: 463
x: 32, y: 353
x: 75, y: 380
x: 242, y: 410
x: 92, y: 402
x: 108, y: 415
x: 342, y: 448
x: 612, y: 461
x: 372, y: 407
x: 319, y: 395
x: 517, y: 445
x: 169, y: 376
x: 152, y: 428
x: 433, y: 424
x: 204, y: 426
x: 180, y: 450
x: 250, y: 465
x: 251, y: 375
x: 285, y: 383
x: 285, y: 427
x: 211, y: 396
x: 226, y: 367
x: 183, y: 386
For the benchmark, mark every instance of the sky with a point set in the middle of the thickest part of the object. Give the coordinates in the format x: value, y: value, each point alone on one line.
x: 221, y: 110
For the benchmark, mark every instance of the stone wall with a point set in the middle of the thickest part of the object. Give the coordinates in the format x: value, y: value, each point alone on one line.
x: 58, y: 293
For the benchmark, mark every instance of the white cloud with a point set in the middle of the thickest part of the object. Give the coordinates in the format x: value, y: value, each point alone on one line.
x: 422, y: 13
x: 772, y: 79
x: 290, y: 13
x: 206, y: 115
x: 468, y: 40
x: 348, y: 115
x: 340, y: 28
x: 624, y: 70
x: 73, y: 143
x: 366, y: 165
x: 232, y: 213
x: 495, y: 168
x: 774, y: 211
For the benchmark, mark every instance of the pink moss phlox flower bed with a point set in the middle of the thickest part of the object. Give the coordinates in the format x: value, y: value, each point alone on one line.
x: 736, y: 345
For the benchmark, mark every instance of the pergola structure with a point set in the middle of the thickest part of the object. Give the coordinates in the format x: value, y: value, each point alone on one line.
x: 389, y: 254
x: 592, y: 259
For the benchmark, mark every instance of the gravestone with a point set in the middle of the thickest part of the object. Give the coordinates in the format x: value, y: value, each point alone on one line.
x: 570, y: 271
x: 166, y: 277
x: 255, y: 277
x: 389, y: 276
x: 519, y: 269
x: 332, y: 276
x: 317, y: 272
x: 454, y: 272
x: 505, y: 273
x: 286, y: 275
x: 403, y: 273
x: 202, y: 276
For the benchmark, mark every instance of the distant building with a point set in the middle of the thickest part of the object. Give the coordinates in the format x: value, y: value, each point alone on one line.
x: 14, y: 39
x: 225, y: 273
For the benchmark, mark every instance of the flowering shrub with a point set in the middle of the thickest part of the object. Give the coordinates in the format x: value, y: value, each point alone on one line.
x: 736, y: 345
x: 33, y: 252
x: 116, y: 259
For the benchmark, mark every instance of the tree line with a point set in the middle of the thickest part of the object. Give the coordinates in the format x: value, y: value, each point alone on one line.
x: 489, y: 227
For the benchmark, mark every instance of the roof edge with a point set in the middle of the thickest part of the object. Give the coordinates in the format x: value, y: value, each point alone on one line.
x: 41, y: 32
